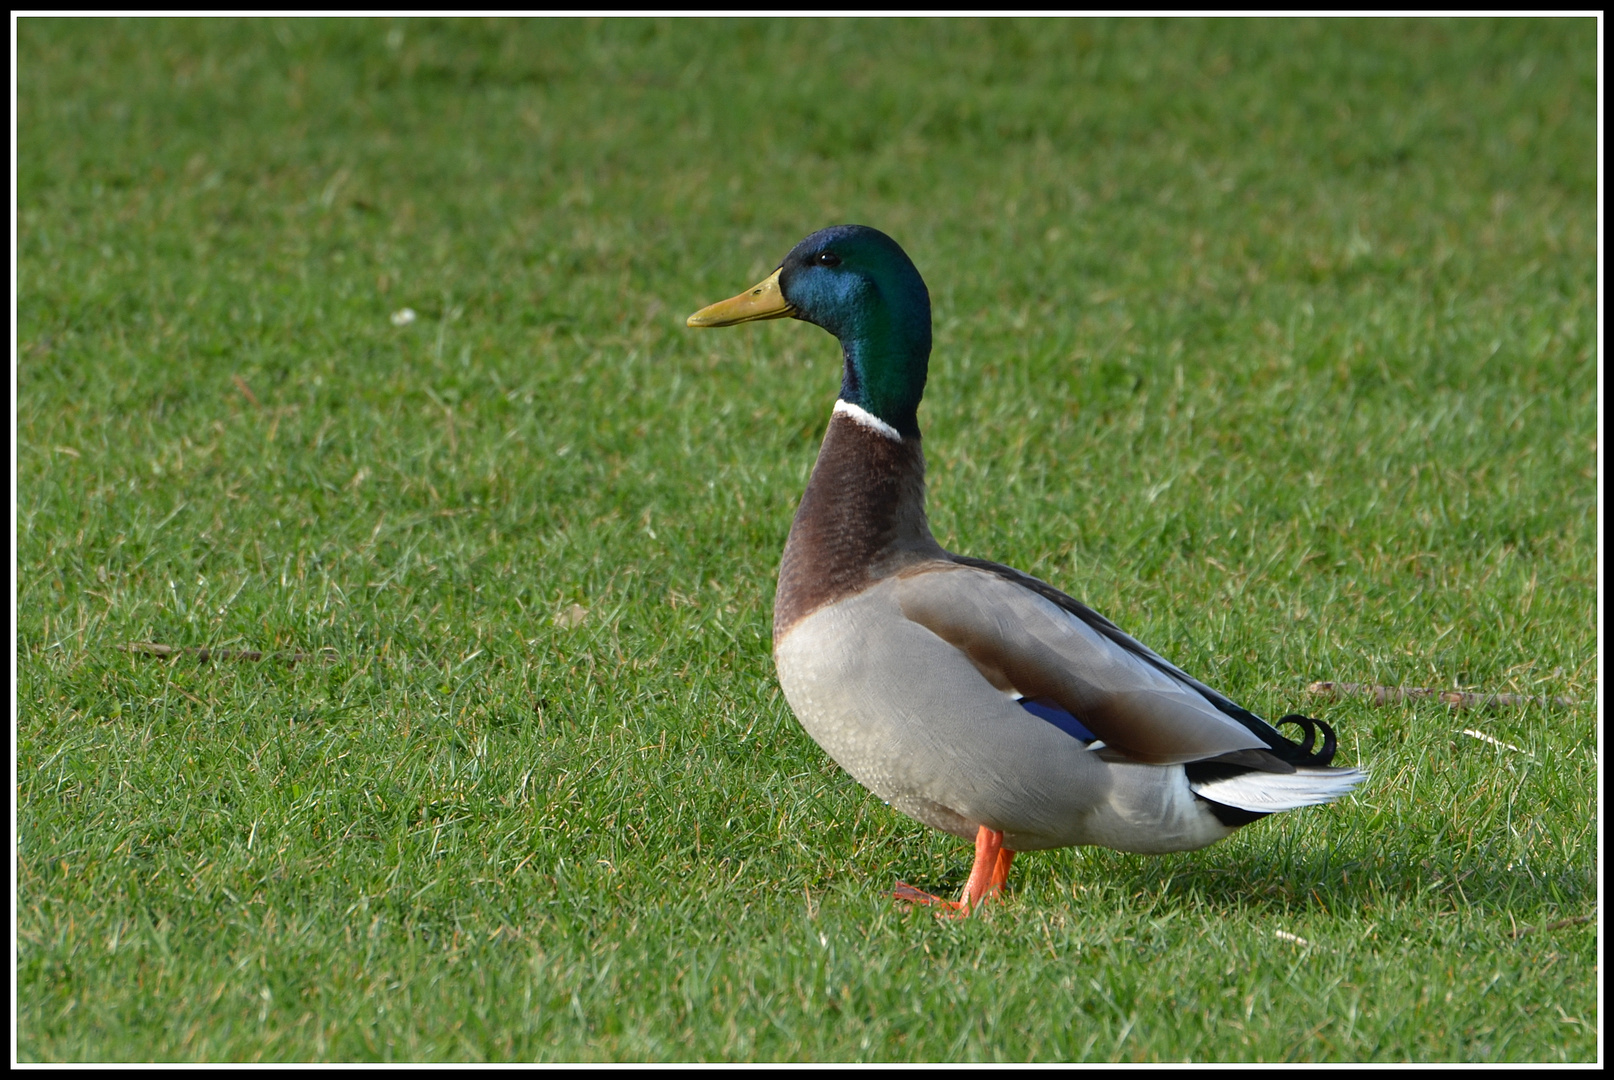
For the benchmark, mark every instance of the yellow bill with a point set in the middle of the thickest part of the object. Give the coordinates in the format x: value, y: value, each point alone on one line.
x: 761, y: 301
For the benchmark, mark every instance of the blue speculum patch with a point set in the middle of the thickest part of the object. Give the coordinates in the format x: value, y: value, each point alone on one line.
x: 1059, y: 718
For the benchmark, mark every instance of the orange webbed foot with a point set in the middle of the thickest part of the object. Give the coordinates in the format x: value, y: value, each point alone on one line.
x: 987, y: 878
x: 944, y: 908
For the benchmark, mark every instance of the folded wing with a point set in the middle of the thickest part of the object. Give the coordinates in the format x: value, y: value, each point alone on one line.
x: 1025, y: 643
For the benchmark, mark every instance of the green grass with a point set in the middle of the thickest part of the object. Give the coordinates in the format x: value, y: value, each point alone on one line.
x: 1274, y: 341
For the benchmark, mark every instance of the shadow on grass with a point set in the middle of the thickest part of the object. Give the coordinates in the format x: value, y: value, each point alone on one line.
x: 1288, y: 883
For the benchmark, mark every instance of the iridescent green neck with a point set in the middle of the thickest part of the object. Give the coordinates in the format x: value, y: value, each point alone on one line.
x: 884, y: 373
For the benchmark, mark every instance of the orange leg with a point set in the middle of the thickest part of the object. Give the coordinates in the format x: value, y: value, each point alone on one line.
x: 987, y: 877
x: 1000, y: 872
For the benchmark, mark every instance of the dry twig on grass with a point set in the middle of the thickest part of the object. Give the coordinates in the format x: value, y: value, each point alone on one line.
x: 1457, y: 699
x: 1520, y: 931
x: 204, y: 654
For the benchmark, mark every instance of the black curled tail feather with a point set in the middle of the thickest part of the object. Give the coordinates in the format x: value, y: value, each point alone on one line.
x: 1301, y: 753
x: 1292, y: 754
x: 1305, y: 724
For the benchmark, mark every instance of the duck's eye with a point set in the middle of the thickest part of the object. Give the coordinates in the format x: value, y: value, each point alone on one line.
x: 828, y: 258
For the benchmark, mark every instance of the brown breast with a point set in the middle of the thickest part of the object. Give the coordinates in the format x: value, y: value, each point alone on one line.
x: 861, y: 519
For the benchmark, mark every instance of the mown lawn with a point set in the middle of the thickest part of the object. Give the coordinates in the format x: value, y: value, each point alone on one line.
x: 1274, y: 341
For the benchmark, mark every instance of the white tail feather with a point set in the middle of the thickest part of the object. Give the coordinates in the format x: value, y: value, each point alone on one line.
x: 1267, y: 793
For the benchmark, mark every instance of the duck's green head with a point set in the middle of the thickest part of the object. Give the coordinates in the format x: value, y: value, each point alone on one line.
x: 858, y: 284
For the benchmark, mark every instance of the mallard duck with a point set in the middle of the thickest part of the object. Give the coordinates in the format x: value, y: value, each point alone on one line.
x: 966, y: 694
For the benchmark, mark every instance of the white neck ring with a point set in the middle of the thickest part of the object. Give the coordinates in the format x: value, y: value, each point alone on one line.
x: 862, y: 416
